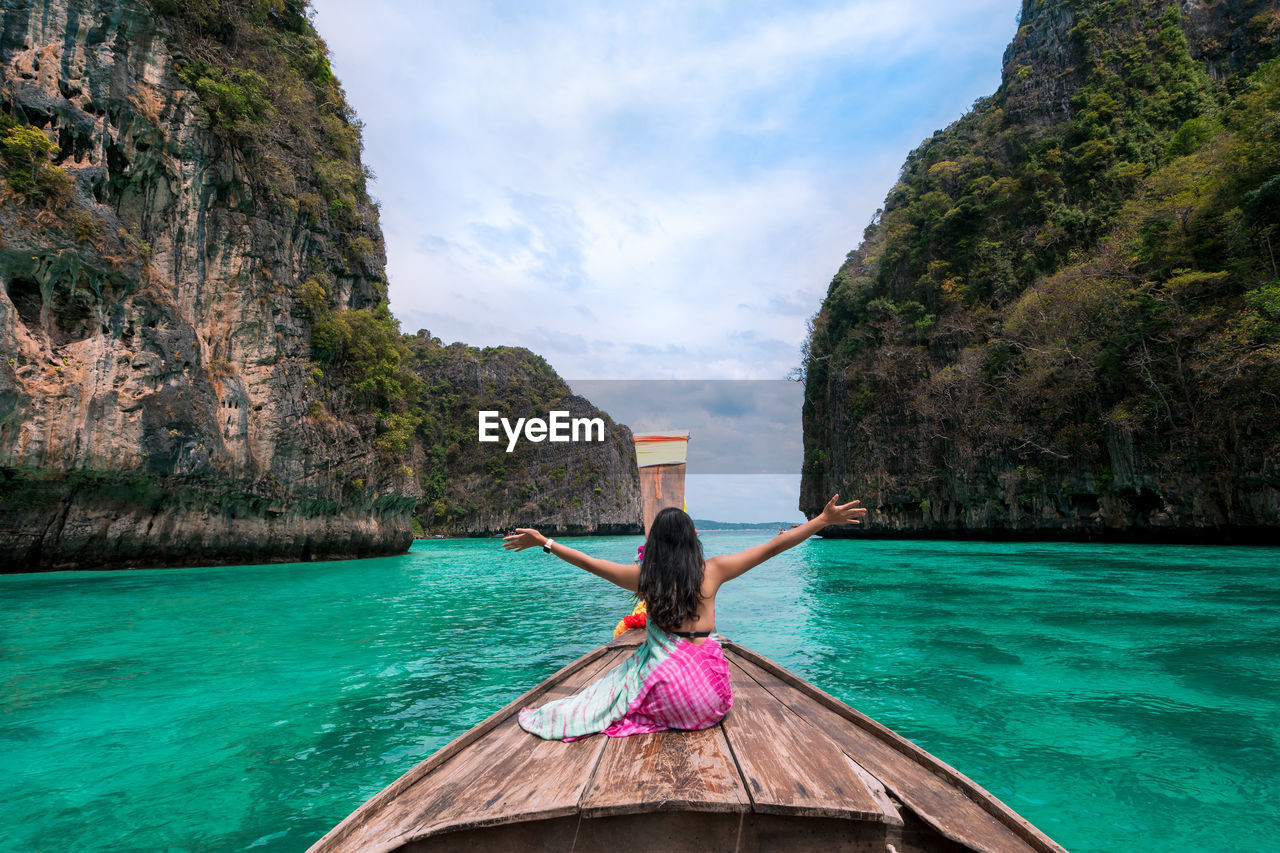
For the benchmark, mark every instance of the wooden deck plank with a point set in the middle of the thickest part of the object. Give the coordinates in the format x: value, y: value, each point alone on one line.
x: 506, y: 774
x: 629, y: 638
x: 933, y: 790
x: 510, y: 775
x: 668, y: 770
x: 790, y: 768
x: 878, y: 793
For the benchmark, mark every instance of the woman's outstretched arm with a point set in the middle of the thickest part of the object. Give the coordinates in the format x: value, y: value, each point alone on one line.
x: 726, y: 567
x: 627, y: 577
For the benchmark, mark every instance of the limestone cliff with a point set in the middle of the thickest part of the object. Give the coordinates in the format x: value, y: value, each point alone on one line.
x: 195, y: 214
x: 475, y: 489
x: 1066, y: 319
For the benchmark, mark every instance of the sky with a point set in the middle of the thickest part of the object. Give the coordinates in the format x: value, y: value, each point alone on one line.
x: 646, y: 191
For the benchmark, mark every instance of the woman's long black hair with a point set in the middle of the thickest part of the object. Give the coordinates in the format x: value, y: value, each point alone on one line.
x: 671, y: 570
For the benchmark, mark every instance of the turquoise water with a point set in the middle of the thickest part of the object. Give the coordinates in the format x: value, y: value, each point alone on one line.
x: 1119, y: 697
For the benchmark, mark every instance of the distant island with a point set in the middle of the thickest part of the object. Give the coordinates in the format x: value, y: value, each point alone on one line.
x: 704, y: 525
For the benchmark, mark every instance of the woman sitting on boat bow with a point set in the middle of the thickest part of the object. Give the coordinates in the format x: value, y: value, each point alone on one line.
x: 678, y: 677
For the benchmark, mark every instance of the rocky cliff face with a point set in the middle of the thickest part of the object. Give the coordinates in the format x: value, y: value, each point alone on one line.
x: 473, y: 489
x: 1066, y: 320
x: 161, y: 267
x: 1048, y: 61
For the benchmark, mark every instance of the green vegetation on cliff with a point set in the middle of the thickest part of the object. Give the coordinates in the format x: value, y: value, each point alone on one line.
x: 1067, y: 316
x: 474, y: 488
x: 25, y: 153
x: 201, y: 363
x: 263, y: 79
x: 262, y: 75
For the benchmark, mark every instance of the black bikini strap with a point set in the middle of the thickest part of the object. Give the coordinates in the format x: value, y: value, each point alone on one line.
x: 692, y: 634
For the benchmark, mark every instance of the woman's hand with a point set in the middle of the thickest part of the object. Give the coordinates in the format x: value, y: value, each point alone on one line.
x: 725, y: 567
x: 850, y: 513
x: 524, y: 537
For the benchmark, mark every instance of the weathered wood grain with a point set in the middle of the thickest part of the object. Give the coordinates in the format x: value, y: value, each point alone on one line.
x: 510, y: 775
x: 629, y: 638
x: 789, y: 766
x: 494, y: 773
x: 661, y: 486
x: 668, y: 770
x: 893, y: 821
x: 954, y: 805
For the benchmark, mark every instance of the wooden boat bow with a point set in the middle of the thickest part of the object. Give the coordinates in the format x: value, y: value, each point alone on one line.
x: 790, y: 768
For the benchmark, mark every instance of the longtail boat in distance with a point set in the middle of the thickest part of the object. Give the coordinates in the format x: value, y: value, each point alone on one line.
x: 661, y: 456
x: 789, y: 769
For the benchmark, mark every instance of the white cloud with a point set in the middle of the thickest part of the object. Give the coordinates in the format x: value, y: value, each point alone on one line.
x: 743, y: 497
x: 646, y: 190
x: 610, y: 184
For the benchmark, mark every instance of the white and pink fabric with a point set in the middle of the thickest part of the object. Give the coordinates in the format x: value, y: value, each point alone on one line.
x: 668, y: 683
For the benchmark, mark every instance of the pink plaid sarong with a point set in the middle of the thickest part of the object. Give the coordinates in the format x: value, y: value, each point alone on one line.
x: 689, y: 690
x: 667, y: 683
